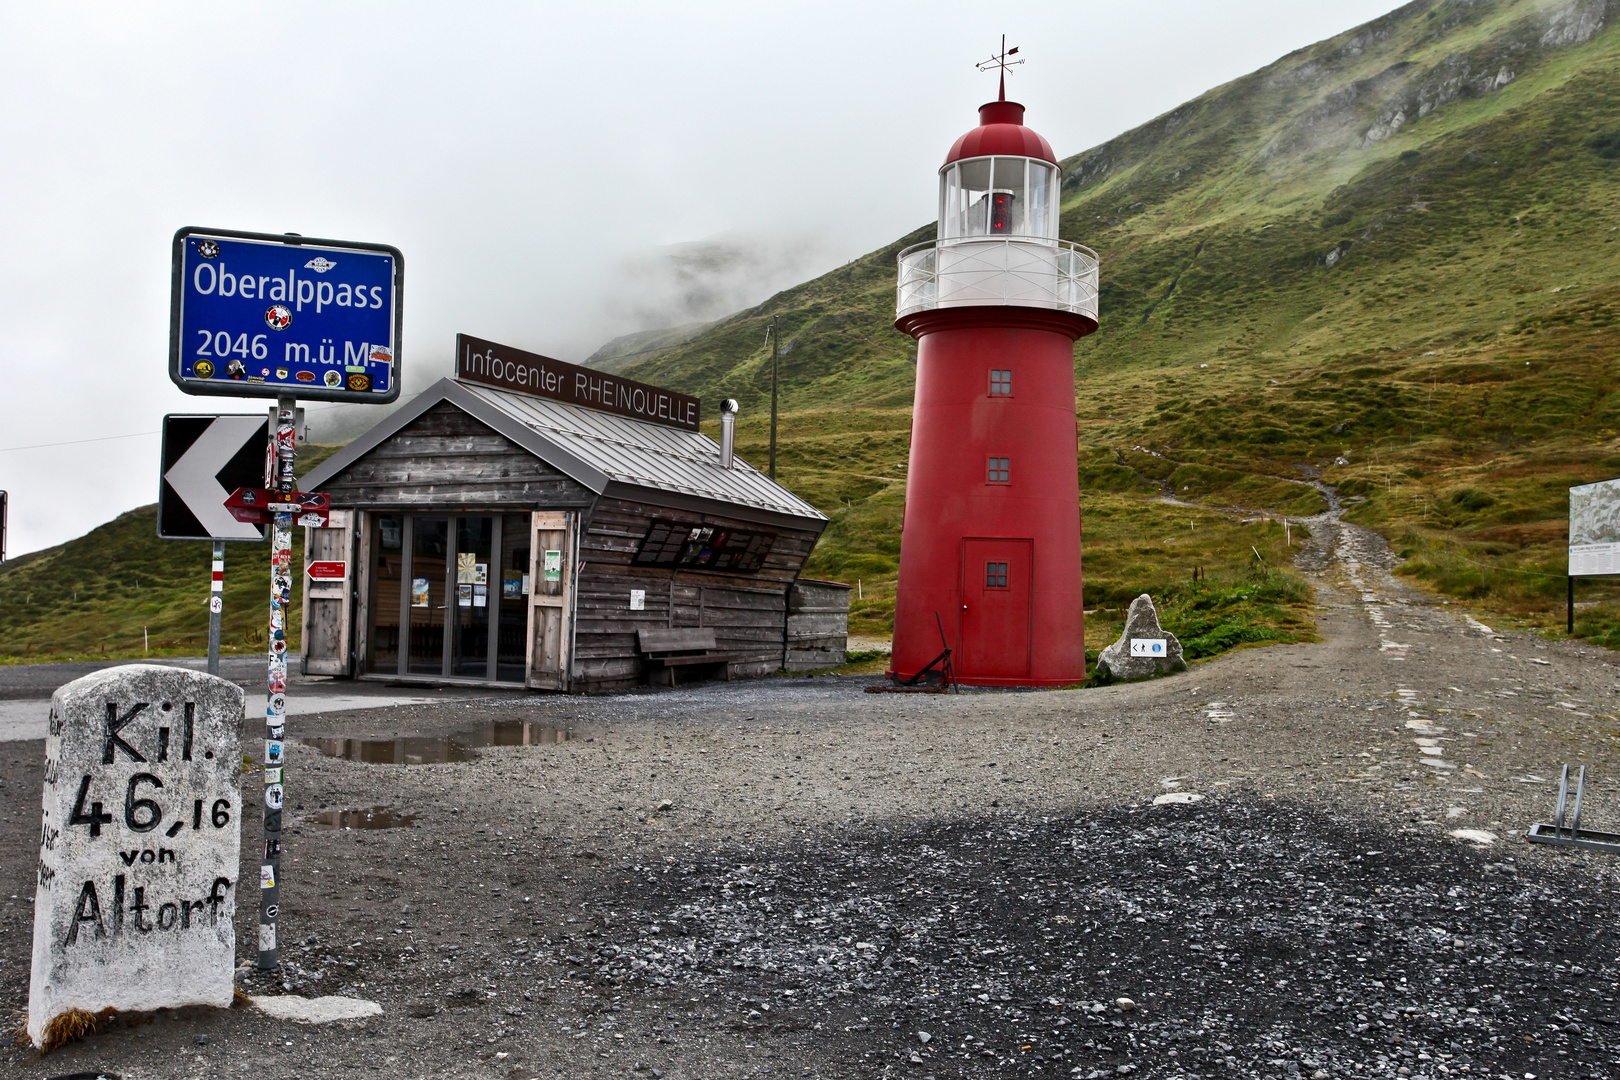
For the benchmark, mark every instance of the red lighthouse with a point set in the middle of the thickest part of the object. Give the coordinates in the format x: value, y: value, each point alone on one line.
x: 990, y: 545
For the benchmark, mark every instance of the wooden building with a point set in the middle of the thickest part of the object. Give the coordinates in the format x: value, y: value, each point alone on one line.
x: 482, y: 534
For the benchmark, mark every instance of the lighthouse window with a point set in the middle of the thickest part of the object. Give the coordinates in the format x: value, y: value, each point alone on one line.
x: 1003, y: 196
x: 1042, y: 179
x: 995, y: 575
x: 967, y: 195
x: 1000, y: 470
x: 1001, y: 381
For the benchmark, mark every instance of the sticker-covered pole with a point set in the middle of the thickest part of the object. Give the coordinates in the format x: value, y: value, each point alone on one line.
x: 283, y: 451
x: 216, y: 606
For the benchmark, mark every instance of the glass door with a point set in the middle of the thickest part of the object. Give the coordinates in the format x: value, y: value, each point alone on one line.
x: 469, y: 648
x: 387, y: 572
x: 449, y: 596
x: 511, y: 655
x: 430, y: 549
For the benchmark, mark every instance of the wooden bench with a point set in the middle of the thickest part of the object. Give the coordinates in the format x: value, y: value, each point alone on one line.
x: 684, y: 647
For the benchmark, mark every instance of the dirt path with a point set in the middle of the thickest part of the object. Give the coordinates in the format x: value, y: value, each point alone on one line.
x: 789, y: 877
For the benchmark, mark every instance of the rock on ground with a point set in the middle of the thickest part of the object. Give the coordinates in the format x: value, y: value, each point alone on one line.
x: 1116, y: 664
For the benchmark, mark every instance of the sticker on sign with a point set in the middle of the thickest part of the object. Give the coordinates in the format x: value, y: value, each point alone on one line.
x: 1147, y: 646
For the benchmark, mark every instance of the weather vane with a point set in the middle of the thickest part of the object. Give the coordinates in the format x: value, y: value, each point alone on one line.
x: 1000, y: 61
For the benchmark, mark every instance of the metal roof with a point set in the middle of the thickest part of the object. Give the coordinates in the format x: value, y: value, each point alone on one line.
x: 600, y: 450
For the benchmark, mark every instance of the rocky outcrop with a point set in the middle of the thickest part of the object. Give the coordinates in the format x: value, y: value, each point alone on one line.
x: 1117, y: 662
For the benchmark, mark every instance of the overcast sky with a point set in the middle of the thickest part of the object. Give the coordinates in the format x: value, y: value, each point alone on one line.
x: 531, y: 161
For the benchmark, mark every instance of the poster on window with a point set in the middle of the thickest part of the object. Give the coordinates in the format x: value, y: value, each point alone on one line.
x: 512, y: 585
x: 466, y: 567
x: 419, y: 592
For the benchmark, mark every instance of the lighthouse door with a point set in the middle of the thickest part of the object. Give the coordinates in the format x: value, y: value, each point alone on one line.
x: 997, y: 583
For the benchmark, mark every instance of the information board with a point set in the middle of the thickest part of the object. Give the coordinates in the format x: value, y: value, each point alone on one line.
x: 1594, y: 529
x: 703, y: 547
x: 260, y: 315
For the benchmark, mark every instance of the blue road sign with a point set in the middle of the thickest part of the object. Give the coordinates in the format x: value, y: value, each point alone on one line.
x: 259, y: 315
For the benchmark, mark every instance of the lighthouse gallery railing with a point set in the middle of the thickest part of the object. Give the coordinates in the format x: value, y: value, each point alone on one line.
x: 1015, y: 271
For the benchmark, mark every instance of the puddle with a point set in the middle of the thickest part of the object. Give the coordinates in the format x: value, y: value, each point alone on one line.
x: 374, y: 817
x: 436, y: 750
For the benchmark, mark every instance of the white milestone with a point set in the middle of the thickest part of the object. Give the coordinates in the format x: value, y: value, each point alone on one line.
x: 139, y: 845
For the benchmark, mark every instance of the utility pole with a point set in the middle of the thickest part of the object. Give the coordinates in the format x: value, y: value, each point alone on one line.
x: 772, y: 333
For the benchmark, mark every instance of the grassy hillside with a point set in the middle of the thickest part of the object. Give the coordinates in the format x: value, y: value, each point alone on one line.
x: 628, y: 350
x: 93, y: 597
x: 1389, y: 256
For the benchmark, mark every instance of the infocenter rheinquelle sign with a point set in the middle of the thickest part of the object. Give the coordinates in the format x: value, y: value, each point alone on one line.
x: 261, y: 315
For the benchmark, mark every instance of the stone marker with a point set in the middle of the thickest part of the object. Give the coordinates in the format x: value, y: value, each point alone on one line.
x: 1142, y: 623
x: 140, y: 844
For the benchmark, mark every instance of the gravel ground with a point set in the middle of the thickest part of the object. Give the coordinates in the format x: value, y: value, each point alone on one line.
x: 789, y: 877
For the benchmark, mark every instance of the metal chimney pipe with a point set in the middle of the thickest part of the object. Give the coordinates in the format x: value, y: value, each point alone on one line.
x: 728, y: 431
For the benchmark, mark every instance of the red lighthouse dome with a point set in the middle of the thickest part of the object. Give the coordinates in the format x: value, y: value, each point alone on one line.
x: 990, y: 542
x: 1001, y: 130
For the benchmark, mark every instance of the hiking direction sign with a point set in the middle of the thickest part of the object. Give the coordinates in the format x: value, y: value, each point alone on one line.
x: 261, y: 315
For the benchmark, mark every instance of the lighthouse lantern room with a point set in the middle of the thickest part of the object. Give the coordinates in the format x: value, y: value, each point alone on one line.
x: 990, y: 543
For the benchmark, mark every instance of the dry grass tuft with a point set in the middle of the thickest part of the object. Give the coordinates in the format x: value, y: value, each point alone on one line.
x: 66, y: 1027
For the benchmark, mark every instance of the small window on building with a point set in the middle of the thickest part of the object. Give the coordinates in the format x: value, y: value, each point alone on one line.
x: 1001, y: 381
x: 1000, y: 470
x: 995, y: 575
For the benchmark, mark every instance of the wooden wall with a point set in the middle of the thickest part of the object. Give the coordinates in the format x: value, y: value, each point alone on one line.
x: 748, y: 612
x: 447, y: 460
x: 817, y: 625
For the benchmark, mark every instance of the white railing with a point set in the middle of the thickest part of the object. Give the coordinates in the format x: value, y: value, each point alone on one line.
x: 1015, y: 271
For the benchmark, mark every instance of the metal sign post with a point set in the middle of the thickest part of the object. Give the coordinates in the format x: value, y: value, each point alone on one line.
x: 216, y: 606
x: 275, y: 712
x: 262, y: 315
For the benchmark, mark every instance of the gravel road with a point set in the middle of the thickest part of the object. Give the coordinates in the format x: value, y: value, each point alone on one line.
x: 790, y: 877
